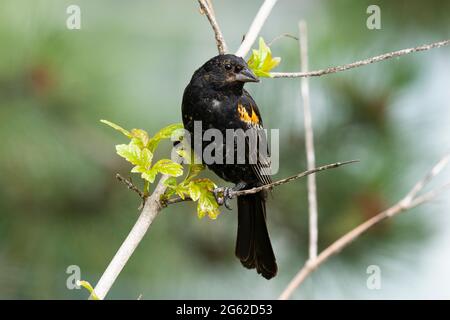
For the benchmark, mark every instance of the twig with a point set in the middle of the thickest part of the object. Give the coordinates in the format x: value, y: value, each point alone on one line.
x: 207, y: 8
x: 234, y: 194
x: 422, y: 183
x: 255, y: 28
x: 360, y: 63
x: 130, y: 185
x: 309, y: 142
x: 404, y: 204
x: 151, y: 209
x: 283, y: 35
x: 289, y: 179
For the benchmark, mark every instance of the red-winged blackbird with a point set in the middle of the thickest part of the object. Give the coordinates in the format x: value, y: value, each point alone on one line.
x: 216, y: 97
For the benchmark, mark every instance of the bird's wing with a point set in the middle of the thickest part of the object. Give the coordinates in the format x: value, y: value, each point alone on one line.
x: 250, y: 116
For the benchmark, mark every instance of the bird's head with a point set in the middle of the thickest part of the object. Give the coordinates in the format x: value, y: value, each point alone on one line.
x: 226, y: 70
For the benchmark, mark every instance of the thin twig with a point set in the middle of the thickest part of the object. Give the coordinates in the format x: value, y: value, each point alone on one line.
x: 283, y: 35
x: 360, y: 63
x: 422, y: 183
x: 151, y: 209
x: 207, y: 8
x: 130, y: 185
x: 234, y: 194
x: 309, y: 143
x: 255, y: 28
x: 404, y: 204
x: 289, y: 179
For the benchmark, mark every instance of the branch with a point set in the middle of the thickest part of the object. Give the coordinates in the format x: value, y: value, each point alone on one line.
x: 408, y: 202
x: 255, y: 28
x: 130, y: 185
x: 283, y: 35
x: 309, y: 142
x: 234, y: 194
x: 360, y: 63
x: 207, y: 9
x: 151, y: 209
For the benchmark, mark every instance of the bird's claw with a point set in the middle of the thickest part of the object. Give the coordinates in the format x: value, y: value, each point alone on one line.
x: 223, y: 196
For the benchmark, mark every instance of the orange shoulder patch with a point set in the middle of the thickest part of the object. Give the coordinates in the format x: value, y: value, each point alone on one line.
x: 248, y: 118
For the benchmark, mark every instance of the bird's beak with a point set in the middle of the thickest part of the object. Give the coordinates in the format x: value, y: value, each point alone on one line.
x: 246, y: 75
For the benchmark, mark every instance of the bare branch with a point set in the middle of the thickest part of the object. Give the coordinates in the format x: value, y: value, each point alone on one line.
x: 422, y: 183
x: 309, y: 142
x: 151, y: 209
x: 255, y: 28
x: 291, y: 178
x: 283, y: 35
x: 404, y: 204
x: 430, y: 195
x: 207, y: 9
x: 130, y: 185
x: 234, y: 194
x: 360, y: 63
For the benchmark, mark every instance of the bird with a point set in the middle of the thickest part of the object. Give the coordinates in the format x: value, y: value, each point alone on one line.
x: 215, y: 97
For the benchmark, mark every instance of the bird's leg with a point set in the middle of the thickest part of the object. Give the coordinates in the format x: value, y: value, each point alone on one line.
x: 223, y: 195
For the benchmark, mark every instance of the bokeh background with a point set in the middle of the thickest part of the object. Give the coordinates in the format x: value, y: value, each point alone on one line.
x: 61, y: 205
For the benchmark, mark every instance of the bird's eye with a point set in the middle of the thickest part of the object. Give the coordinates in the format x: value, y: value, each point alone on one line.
x: 227, y: 66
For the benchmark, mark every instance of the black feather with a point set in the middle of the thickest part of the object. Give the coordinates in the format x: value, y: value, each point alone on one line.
x: 253, y: 245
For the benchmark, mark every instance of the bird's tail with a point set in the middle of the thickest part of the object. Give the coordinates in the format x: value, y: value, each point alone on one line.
x: 253, y: 245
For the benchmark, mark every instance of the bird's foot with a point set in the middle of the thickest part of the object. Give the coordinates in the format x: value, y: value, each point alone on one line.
x: 224, y: 195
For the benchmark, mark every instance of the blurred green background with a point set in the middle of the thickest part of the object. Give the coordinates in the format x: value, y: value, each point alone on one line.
x: 61, y: 205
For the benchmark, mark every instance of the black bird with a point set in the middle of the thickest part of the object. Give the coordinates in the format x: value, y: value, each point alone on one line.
x: 216, y: 97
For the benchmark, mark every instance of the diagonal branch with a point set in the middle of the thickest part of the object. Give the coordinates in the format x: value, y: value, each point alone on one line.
x: 411, y: 200
x: 309, y: 143
x: 207, y: 9
x: 234, y: 194
x: 255, y: 27
x: 130, y: 185
x: 151, y: 209
x: 360, y: 63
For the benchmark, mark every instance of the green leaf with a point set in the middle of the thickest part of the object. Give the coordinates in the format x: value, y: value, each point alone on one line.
x: 261, y: 61
x: 166, y: 166
x: 117, y: 127
x: 194, y: 191
x: 149, y: 175
x: 89, y: 288
x: 141, y: 136
x: 194, y: 170
x: 131, y: 153
x: 171, y: 182
x: 207, y: 205
x: 206, y: 184
x: 264, y: 50
x: 146, y: 158
x: 182, y: 190
x: 201, y: 190
x: 139, y: 152
x: 164, y: 133
x: 141, y: 158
